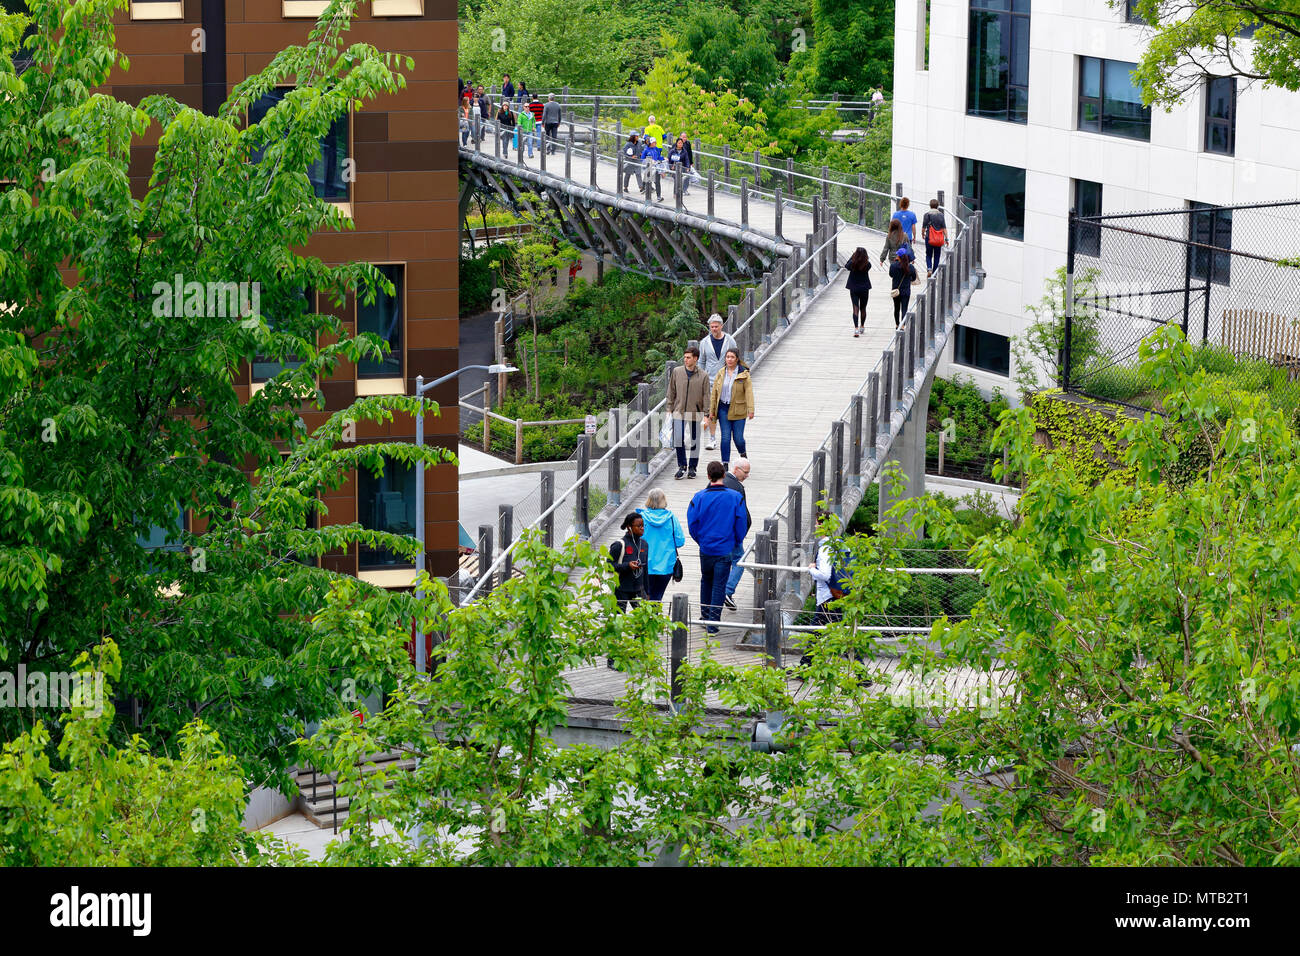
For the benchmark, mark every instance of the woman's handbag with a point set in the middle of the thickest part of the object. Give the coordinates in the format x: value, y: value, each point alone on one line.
x: 678, y: 571
x: 893, y: 293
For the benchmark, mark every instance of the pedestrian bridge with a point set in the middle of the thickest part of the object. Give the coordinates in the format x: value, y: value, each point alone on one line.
x: 831, y: 409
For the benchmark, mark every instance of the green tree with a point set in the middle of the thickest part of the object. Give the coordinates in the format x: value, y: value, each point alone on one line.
x: 120, y: 410
x: 1040, y: 351
x: 1190, y: 39
x: 546, y: 43
x: 679, y: 103
x: 853, y: 46
x: 729, y: 53
x: 120, y: 806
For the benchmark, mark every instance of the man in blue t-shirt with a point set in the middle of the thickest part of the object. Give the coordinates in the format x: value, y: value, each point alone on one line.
x: 907, y: 219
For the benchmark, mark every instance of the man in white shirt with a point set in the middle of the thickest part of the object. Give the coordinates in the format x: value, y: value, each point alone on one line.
x: 713, y: 354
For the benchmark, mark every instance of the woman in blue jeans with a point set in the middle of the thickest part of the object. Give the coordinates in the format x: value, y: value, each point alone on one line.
x: 731, y: 403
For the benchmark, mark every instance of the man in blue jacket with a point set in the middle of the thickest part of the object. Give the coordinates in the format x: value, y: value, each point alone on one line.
x: 716, y: 520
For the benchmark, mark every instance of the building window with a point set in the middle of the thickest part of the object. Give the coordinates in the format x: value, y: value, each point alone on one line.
x: 267, y: 367
x: 1087, y: 202
x: 1221, y: 115
x: 384, y: 317
x: 291, y: 9
x: 997, y: 190
x: 1131, y: 13
x: 1109, y: 100
x: 986, y: 351
x: 166, y: 537
x: 397, y: 8
x: 997, y: 68
x: 327, y: 170
x: 386, y: 503
x: 157, y: 10
x: 1209, y: 226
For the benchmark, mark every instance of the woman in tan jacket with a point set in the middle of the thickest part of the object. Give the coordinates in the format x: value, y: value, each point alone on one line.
x: 731, y: 403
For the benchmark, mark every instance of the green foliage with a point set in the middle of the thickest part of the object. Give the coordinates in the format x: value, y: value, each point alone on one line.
x: 480, y: 274
x: 1039, y: 351
x: 670, y: 93
x: 119, y: 806
x: 853, y: 46
x: 957, y: 405
x: 729, y: 53
x: 546, y: 43
x: 1085, y: 434
x: 132, y: 414
x: 1184, y: 36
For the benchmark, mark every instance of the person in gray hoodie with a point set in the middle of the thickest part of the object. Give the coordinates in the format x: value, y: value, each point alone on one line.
x: 663, y: 536
x: 551, y: 121
x: 713, y: 354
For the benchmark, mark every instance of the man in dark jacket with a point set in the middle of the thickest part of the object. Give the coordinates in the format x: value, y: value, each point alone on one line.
x: 734, y: 480
x: 933, y: 226
x: 551, y: 121
x: 688, y: 394
x: 716, y: 520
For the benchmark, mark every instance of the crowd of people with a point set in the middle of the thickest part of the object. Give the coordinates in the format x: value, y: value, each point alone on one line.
x: 900, y: 240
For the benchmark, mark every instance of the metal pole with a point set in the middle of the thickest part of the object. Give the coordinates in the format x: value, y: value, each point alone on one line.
x: 1065, y: 371
x: 615, y: 485
x: 485, y: 554
x: 548, y: 499
x: 581, y: 520
x: 772, y: 633
x: 421, y: 664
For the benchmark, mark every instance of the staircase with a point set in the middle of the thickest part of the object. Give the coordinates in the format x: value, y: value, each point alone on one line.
x: 319, y: 799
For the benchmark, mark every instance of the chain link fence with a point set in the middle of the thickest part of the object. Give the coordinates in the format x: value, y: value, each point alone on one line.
x: 1227, y: 276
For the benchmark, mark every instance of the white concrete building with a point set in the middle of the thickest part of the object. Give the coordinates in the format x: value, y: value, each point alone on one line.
x: 1058, y: 127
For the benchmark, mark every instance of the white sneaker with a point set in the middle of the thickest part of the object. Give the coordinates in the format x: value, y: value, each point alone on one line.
x: 712, y: 445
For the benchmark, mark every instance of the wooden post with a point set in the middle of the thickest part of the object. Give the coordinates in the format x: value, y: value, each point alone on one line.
x: 943, y: 447
x: 758, y: 170
x: 873, y: 411
x: 794, y: 534
x: 744, y: 202
x: 545, y: 142
x: 548, y: 499
x: 593, y: 158
x: 582, y: 517
x: 819, y: 483
x: 643, y: 438
x: 810, y: 278
x: 826, y: 184
x: 506, y: 525
x: 862, y: 199
x: 680, y: 615
x: 618, y: 183
x: 726, y: 163
x: 711, y: 187
x: 789, y: 176
x: 837, y: 460
x: 487, y: 431
x: 485, y: 555
x: 568, y: 155
x: 779, y: 207
x: 772, y: 633
x: 772, y: 528
x: 886, y: 392
x: 519, y: 441
x: 762, y: 555
x: 677, y: 186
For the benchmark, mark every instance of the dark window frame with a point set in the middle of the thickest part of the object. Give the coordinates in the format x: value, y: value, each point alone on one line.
x: 289, y: 361
x: 1227, y: 123
x: 1087, y: 238
x: 321, y: 186
x: 1131, y: 15
x: 975, y: 197
x: 968, y: 339
x: 381, y: 559
x: 1207, y: 223
x: 1105, y: 123
x: 370, y: 368
x: 1006, y: 11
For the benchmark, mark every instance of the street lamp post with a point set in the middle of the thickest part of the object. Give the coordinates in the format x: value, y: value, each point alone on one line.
x: 421, y: 658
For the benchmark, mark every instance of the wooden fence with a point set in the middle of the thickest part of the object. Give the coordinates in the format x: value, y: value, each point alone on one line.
x: 1264, y: 335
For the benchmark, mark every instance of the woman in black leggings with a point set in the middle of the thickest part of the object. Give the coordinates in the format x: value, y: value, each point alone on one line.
x: 859, y: 285
x: 901, y: 276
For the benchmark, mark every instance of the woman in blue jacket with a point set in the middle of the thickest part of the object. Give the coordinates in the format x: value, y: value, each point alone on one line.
x: 663, y: 536
x: 652, y: 158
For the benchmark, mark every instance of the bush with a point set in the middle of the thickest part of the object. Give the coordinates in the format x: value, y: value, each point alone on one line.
x: 974, y: 419
x: 479, y: 275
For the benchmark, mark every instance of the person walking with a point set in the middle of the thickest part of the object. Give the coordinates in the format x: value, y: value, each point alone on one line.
x: 713, y: 350
x: 859, y: 286
x: 484, y: 105
x: 663, y: 536
x: 632, y: 161
x: 934, y: 230
x: 527, y: 129
x: 466, y: 120
x: 507, y: 88
x: 652, y: 158
x: 688, y: 394
x: 630, y: 556
x: 551, y: 117
x: 894, y: 240
x: 901, y: 276
x: 715, y: 519
x: 731, y: 403
x: 653, y: 131
x: 735, y: 480
x: 907, y: 219
x: 506, y: 122
x: 522, y: 94
x: 681, y: 157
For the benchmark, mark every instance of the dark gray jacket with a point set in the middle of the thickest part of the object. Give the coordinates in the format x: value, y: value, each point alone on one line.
x: 731, y: 481
x: 550, y: 112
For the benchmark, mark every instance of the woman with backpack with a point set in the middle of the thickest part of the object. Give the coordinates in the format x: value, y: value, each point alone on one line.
x: 894, y: 240
x: 652, y: 158
x: 901, y: 276
x: 934, y: 233
x: 663, y: 536
x: 859, y: 285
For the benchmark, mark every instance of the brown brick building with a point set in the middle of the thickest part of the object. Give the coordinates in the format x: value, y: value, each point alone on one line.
x: 402, y: 200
